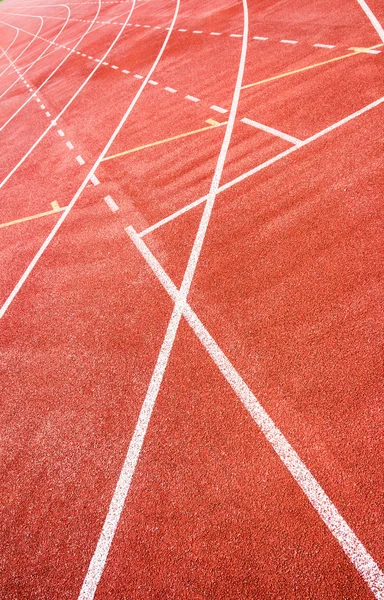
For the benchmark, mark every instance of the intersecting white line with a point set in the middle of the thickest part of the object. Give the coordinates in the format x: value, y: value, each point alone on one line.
x: 264, y: 165
x: 374, y: 21
x: 124, y: 481
x: 350, y: 543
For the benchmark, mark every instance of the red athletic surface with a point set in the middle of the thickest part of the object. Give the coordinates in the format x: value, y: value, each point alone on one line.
x: 289, y: 284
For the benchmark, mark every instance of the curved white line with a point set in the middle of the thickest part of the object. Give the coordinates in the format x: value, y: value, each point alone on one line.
x: 13, y: 62
x: 77, y: 37
x: 54, y: 71
x: 116, y: 506
x: 35, y: 61
x: 10, y: 46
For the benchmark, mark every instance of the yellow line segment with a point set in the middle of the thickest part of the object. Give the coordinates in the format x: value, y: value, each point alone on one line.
x: 175, y: 137
x: 43, y: 214
x: 325, y: 62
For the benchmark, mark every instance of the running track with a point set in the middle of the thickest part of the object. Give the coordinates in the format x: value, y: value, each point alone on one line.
x: 192, y: 299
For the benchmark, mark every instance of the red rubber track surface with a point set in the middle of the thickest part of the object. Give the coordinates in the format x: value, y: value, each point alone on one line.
x: 289, y: 284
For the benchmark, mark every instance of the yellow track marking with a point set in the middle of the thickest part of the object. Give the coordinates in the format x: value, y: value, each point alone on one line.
x: 325, y: 62
x: 175, y: 137
x: 212, y: 122
x: 55, y: 208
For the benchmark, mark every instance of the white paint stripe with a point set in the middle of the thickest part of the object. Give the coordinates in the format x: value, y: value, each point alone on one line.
x: 192, y: 98
x: 214, y: 33
x: 60, y: 132
x: 93, y: 179
x: 375, y: 23
x: 80, y: 160
x: 153, y: 82
x: 257, y: 37
x: 169, y: 89
x: 196, y: 31
x: 289, y: 41
x: 265, y: 164
x: 100, y: 555
x: 173, y: 216
x: 111, y: 203
x: 320, y: 501
x: 236, y: 35
x: 271, y: 130
x: 38, y: 100
x: 114, y: 67
x: 69, y: 145
x: 182, y: 30
x: 74, y: 96
x: 42, y: 106
x: 48, y: 114
x: 139, y: 76
x: 323, y: 46
x: 218, y: 109
x: 125, y: 71
x: 125, y: 477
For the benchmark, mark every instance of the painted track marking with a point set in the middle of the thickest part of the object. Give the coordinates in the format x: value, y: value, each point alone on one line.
x: 164, y: 141
x: 271, y: 130
x: 336, y: 524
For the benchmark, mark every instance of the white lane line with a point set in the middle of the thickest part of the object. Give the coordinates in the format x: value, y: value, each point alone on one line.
x: 139, y: 76
x: 60, y: 132
x: 192, y: 98
x: 265, y: 164
x: 257, y: 37
x: 111, y: 203
x: 172, y: 216
x: 93, y: 179
x: 236, y: 35
x: 125, y: 71
x: 72, y: 99
x: 214, y: 33
x: 48, y: 113
x: 197, y: 31
x: 105, y: 63
x: 182, y: 30
x: 218, y: 109
x: 323, y: 505
x: 137, y: 441
x: 38, y: 100
x: 289, y: 41
x: 374, y: 21
x: 69, y: 145
x: 271, y: 130
x: 80, y: 160
x: 114, y: 67
x: 42, y: 106
x: 99, y: 558
x: 152, y: 82
x: 171, y: 90
x: 323, y: 46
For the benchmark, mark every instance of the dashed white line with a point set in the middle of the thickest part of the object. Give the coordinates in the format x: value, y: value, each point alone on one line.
x: 93, y: 179
x: 114, y: 67
x: 80, y: 160
x: 323, y: 46
x: 218, y: 109
x: 257, y: 37
x: 236, y: 35
x: 215, y: 33
x: 139, y: 76
x: 111, y: 203
x: 60, y: 132
x: 125, y: 71
x: 69, y: 145
x: 48, y: 113
x: 171, y: 90
x: 289, y: 41
x: 152, y: 82
x: 192, y: 98
x: 196, y: 31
